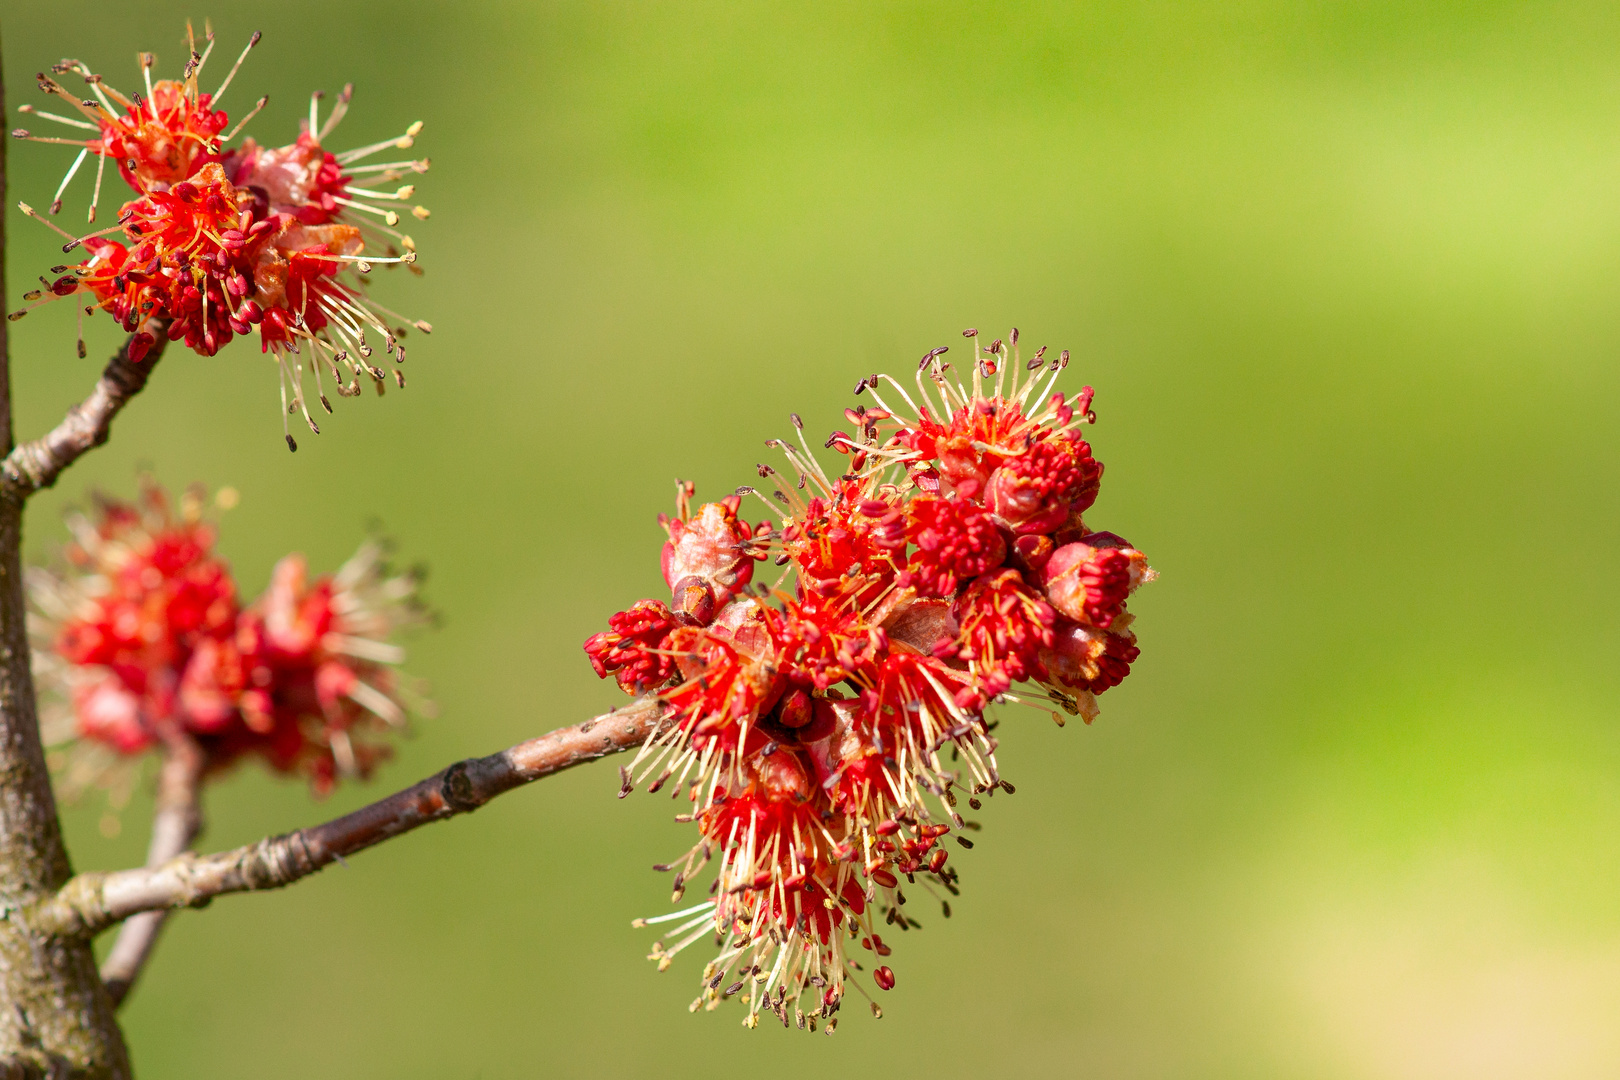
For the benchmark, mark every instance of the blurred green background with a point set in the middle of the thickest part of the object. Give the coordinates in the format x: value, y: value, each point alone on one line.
x: 1345, y: 277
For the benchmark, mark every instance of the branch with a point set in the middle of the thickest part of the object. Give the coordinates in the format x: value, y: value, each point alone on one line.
x: 90, y: 903
x: 175, y: 824
x: 37, y: 464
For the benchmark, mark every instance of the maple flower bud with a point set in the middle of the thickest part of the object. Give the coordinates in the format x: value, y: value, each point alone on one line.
x: 1035, y: 492
x: 1090, y: 584
x: 822, y: 735
x: 706, y: 560
x: 1083, y: 662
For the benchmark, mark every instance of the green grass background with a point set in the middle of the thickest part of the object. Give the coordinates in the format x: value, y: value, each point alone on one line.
x: 1346, y: 279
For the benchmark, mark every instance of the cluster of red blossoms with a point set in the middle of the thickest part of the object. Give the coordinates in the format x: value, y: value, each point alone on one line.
x: 143, y: 642
x: 218, y: 243
x: 948, y: 562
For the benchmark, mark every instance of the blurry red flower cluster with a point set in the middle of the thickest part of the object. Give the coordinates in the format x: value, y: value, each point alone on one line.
x: 827, y: 728
x: 144, y: 641
x: 219, y: 242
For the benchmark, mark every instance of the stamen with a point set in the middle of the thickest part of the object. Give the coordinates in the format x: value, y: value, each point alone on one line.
x: 401, y: 142
x: 252, y: 41
x: 338, y: 112
x: 31, y: 111
x: 420, y: 166
x: 26, y: 136
x: 56, y: 201
x: 244, y: 121
x: 101, y: 164
x: 31, y: 212
x: 388, y: 216
x: 147, y: 60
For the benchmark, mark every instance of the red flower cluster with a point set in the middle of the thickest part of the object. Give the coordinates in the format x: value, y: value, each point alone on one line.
x: 218, y: 243
x: 145, y: 643
x: 948, y: 561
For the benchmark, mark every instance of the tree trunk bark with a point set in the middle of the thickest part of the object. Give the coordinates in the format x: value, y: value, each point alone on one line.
x: 56, y: 1019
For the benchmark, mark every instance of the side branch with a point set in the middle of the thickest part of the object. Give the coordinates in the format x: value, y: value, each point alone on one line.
x: 90, y: 903
x: 37, y: 464
x: 175, y: 826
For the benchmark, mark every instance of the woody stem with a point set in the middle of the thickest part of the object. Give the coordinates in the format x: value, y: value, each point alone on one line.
x: 37, y: 464
x: 90, y: 903
x: 176, y: 822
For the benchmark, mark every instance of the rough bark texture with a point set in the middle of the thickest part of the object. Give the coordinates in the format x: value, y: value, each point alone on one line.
x: 90, y: 903
x: 175, y: 824
x: 55, y: 1018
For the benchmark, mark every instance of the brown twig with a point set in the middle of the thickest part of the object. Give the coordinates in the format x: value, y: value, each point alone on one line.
x: 37, y: 464
x: 175, y: 825
x: 90, y: 903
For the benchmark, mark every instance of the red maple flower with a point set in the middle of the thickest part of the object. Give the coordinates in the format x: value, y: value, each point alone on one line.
x: 145, y: 592
x: 303, y: 180
x: 823, y: 739
x: 162, y: 139
x: 1090, y: 584
x: 1036, y: 491
x: 634, y: 647
x: 1004, y: 625
x: 845, y: 531
x: 782, y: 898
x: 724, y: 688
x: 143, y: 644
x: 184, y: 228
x: 218, y: 241
x: 956, y: 540
x: 826, y: 637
